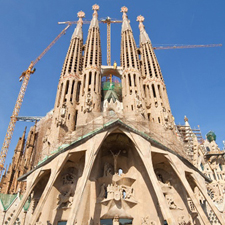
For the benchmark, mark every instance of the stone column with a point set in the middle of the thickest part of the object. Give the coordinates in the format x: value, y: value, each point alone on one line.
x: 116, y: 220
x: 54, y: 175
x: 90, y: 157
x: 181, y: 175
x: 30, y: 185
x: 208, y: 199
x: 144, y: 151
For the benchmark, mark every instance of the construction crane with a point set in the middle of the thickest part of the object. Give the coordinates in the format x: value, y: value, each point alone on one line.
x: 107, y: 21
x: 29, y: 118
x: 187, y: 46
x: 25, y: 79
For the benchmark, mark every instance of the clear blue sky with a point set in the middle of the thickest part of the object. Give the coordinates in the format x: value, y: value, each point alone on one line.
x: 194, y: 78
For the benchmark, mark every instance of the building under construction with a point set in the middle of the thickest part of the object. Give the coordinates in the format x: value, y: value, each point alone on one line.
x: 110, y: 153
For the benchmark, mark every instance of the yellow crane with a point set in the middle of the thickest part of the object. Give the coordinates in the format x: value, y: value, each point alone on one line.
x: 25, y: 79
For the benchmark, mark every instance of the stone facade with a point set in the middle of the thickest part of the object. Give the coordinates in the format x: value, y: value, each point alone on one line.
x: 110, y: 152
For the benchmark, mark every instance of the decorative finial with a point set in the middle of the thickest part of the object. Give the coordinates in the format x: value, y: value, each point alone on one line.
x: 140, y: 18
x: 81, y: 14
x: 95, y: 7
x: 124, y: 9
x: 185, y: 119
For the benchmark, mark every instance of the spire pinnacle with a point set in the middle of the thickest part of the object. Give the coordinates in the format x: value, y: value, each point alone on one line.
x: 144, y: 38
x: 94, y: 21
x: 80, y: 15
x: 124, y: 10
x: 126, y: 21
x: 78, y: 30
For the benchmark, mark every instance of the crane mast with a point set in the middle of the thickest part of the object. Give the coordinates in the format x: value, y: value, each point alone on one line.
x: 25, y: 79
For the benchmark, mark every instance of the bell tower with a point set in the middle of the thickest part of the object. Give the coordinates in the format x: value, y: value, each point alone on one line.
x: 156, y: 99
x: 131, y: 78
x: 67, y: 98
x: 91, y: 74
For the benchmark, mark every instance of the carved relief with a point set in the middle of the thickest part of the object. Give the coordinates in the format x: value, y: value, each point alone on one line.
x: 181, y: 221
x: 171, y: 203
x: 146, y: 221
x: 191, y: 205
x: 69, y: 177
x: 88, y: 103
x: 65, y: 198
x: 108, y: 170
x: 168, y: 124
x: 139, y: 104
x: 103, y: 192
x: 62, y: 117
x: 119, y: 192
x: 168, y: 191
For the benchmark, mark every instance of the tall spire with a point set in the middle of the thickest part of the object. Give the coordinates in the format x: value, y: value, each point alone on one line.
x: 156, y: 99
x: 91, y: 73
x: 126, y: 21
x: 131, y: 82
x: 144, y: 38
x: 73, y: 60
x: 67, y: 97
x: 94, y: 21
x: 78, y: 33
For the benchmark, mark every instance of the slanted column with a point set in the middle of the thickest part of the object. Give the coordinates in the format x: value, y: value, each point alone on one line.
x: 181, y: 175
x: 30, y: 186
x: 54, y: 175
x: 208, y: 199
x: 90, y: 157
x: 146, y: 156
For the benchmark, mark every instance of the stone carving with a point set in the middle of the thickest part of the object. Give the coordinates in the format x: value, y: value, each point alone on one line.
x: 168, y: 192
x: 191, y: 205
x: 65, y: 199
x: 62, y: 118
x: 119, y: 192
x: 171, y: 203
x: 115, y: 156
x: 39, y: 223
x: 168, y: 124
x: 69, y: 177
x: 108, y: 170
x: 145, y: 221
x: 181, y: 221
x: 103, y: 192
x: 139, y: 104
x: 88, y: 103
x: 116, y: 218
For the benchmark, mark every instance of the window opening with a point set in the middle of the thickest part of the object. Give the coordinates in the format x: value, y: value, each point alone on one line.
x: 129, y: 79
x: 71, y: 94
x: 153, y: 90
x: 78, y: 91
x: 62, y: 222
x: 75, y: 119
